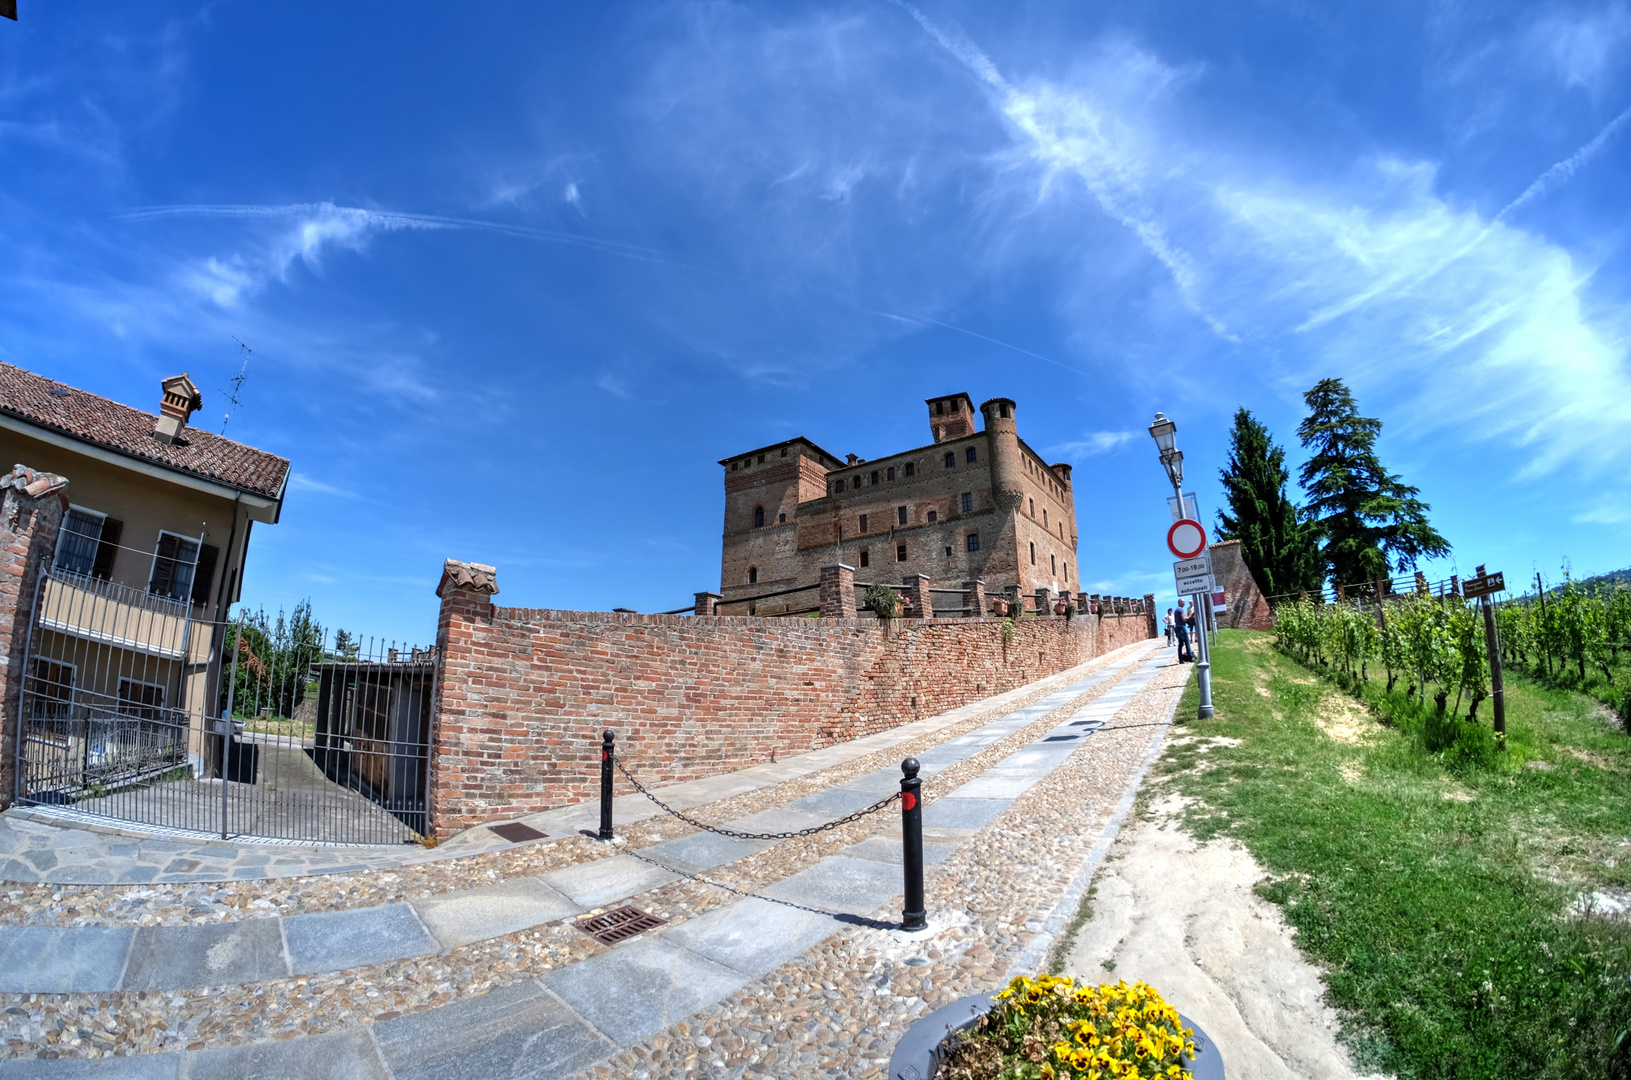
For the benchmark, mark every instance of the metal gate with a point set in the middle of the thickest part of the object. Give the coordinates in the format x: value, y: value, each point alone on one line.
x: 133, y: 710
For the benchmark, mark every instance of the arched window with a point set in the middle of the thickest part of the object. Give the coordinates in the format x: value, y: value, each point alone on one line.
x: 1033, y: 554
x: 838, y: 487
x: 1053, y: 564
x: 1003, y: 411
x: 874, y: 476
x: 1044, y: 517
x: 781, y: 519
x: 933, y: 517
x: 753, y: 575
x: 1033, y: 507
x: 972, y: 456
x: 758, y: 517
x: 951, y: 461
x: 890, y: 472
x: 911, y: 468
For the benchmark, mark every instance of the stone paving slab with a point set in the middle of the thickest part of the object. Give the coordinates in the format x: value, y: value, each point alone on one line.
x: 840, y: 883
x: 513, y: 1032
x: 754, y: 936
x: 593, y: 884
x: 226, y: 954
x: 42, y: 959
x: 639, y: 989
x: 460, y: 918
x: 956, y: 812
x: 139, y: 1067
x: 889, y: 849
x: 334, y: 940
x: 703, y: 851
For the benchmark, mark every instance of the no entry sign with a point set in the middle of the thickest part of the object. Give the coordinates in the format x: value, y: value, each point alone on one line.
x: 1186, y: 539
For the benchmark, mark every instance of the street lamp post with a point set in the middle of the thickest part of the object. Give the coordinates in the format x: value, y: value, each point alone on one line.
x: 1165, y: 433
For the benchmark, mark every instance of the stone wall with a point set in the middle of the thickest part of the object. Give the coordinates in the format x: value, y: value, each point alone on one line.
x: 1248, y: 610
x: 32, y: 505
x: 523, y: 694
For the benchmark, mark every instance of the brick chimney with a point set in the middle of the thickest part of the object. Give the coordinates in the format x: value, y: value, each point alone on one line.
x: 181, y: 400
x: 951, y: 417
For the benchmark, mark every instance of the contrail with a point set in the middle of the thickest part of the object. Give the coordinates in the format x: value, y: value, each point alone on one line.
x: 394, y: 219
x: 1564, y: 171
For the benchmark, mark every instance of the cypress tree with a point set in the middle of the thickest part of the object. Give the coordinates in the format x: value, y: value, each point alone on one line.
x: 1278, y: 545
x: 1367, y: 515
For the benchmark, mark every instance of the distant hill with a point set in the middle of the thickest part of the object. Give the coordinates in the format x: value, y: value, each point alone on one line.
x: 1607, y: 581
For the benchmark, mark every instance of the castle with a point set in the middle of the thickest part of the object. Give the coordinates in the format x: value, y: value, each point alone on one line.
x: 971, y: 505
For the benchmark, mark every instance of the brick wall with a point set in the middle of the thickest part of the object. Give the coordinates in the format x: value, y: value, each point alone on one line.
x: 31, y: 508
x: 523, y: 694
x: 1248, y: 610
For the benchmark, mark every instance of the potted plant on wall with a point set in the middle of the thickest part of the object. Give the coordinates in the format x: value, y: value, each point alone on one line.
x: 999, y: 607
x: 1050, y: 1028
x: 882, y: 601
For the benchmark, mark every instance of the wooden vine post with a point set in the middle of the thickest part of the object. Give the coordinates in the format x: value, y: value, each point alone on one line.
x: 1482, y: 587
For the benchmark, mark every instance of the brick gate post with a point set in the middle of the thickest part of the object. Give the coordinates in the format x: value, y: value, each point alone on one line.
x: 707, y: 603
x: 837, y: 591
x: 30, y: 517
x: 465, y: 590
x: 1149, y: 616
x: 974, y: 597
x: 916, y: 589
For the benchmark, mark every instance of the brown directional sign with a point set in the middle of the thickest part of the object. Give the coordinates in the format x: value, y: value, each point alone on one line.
x: 1473, y: 588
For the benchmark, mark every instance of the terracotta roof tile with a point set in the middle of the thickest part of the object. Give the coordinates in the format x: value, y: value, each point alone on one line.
x: 113, y: 426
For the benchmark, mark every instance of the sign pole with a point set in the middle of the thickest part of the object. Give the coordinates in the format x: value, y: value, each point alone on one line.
x: 1484, y: 585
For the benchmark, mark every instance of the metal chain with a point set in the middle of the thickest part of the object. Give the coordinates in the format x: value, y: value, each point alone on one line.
x: 811, y: 831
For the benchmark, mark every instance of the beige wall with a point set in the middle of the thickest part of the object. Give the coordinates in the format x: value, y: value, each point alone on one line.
x: 144, y: 504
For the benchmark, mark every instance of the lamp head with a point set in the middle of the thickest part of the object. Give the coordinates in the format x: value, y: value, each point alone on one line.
x: 1174, y: 461
x: 1165, y: 433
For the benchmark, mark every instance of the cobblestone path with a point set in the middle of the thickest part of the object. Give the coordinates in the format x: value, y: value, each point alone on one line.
x: 776, y: 959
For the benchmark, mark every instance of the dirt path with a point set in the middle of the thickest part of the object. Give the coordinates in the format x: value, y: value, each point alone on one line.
x: 1183, y: 918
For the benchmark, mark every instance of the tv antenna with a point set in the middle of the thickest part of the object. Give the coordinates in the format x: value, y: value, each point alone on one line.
x: 237, y: 380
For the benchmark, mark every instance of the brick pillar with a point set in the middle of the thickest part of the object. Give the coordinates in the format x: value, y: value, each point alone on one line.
x: 1150, y: 624
x: 31, y: 509
x: 915, y: 587
x: 974, y: 597
x: 1044, y: 601
x: 707, y: 601
x: 837, y: 591
x: 466, y: 591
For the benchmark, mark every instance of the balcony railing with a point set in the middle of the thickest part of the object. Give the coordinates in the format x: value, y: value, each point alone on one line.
x: 118, y: 615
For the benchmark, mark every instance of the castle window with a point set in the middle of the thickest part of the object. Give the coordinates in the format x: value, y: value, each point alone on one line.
x: 863, y: 523
x: 948, y: 553
x: 900, y: 552
x: 968, y: 502
x: 865, y: 557
x: 1044, y: 517
x: 911, y: 468
x: 874, y: 476
x: 856, y: 483
x: 781, y: 519
x: 974, y: 541
x: 762, y: 459
x: 1033, y: 501
x: 784, y: 451
x: 1033, y: 554
x: 753, y: 575
x: 940, y: 408
x: 951, y: 461
x: 900, y: 512
x: 758, y: 517
x: 733, y: 466
x: 890, y: 473
x: 933, y: 517
x: 1067, y: 571
x: 838, y: 487
x: 972, y: 456
x: 1053, y: 564
x: 954, y: 406
x: 1061, y: 530
x: 1002, y: 410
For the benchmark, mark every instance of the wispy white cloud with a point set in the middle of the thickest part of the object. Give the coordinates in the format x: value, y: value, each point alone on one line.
x: 308, y: 483
x: 1581, y: 47
x: 1093, y: 444
x: 1564, y: 171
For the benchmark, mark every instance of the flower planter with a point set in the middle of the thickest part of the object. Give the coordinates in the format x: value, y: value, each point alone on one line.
x: 999, y: 609
x: 919, y: 1052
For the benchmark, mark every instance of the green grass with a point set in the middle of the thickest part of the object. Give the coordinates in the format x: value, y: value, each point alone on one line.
x: 1435, y: 889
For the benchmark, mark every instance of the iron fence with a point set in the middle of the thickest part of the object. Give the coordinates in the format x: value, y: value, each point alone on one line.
x: 134, y: 710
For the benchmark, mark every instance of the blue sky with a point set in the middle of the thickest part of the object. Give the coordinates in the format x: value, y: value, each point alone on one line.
x: 517, y: 275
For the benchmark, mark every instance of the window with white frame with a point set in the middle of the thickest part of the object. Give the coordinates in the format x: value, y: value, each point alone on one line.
x: 81, y: 535
x: 175, y: 560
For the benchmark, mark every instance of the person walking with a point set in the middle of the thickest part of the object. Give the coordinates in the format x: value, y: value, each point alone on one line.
x: 1169, y: 626
x: 1181, y: 627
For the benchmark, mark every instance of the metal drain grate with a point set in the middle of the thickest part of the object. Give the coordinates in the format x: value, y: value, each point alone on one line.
x: 619, y: 924
x: 516, y: 833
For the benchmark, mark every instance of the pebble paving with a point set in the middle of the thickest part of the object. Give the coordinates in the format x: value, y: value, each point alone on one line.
x: 769, y: 984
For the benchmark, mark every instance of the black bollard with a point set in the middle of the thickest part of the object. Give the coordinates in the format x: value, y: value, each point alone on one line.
x: 911, y: 844
x: 607, y: 749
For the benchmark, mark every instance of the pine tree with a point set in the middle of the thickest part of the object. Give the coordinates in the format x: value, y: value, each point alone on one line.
x: 1279, y: 546
x: 1366, y: 514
